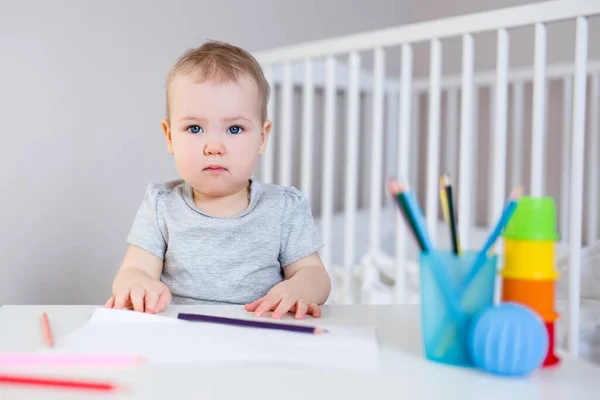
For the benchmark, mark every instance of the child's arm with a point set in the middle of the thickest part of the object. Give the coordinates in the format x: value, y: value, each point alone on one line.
x: 309, y: 279
x: 307, y: 286
x: 137, y: 285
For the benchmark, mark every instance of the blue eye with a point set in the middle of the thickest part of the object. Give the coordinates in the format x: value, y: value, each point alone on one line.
x: 194, y: 129
x: 234, y: 129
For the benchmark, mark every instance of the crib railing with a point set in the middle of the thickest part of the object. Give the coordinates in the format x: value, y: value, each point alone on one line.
x: 374, y: 125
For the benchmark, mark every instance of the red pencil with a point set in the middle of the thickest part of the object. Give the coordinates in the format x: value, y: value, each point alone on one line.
x: 58, y: 383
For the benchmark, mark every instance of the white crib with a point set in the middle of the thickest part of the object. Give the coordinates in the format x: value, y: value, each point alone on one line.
x: 344, y: 120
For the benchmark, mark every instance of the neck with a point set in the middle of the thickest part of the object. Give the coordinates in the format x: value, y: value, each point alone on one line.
x: 226, y: 205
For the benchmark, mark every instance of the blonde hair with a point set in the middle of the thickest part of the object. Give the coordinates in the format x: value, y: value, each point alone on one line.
x: 223, y: 62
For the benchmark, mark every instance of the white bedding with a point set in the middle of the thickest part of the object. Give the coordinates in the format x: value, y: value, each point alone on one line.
x: 381, y: 291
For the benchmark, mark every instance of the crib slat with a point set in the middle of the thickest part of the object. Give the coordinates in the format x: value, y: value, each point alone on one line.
x: 307, y: 130
x: 492, y: 148
x: 451, y: 133
x: 498, y: 191
x: 285, y: 134
x: 377, y: 186
x: 516, y: 159
x: 466, y: 141
x: 391, y: 143
x: 593, y: 154
x: 477, y: 151
x: 267, y: 157
x: 404, y: 149
x: 350, y: 204
x: 566, y: 152
x: 576, y: 202
x: 539, y: 112
x: 433, y: 148
x: 328, y: 159
x: 414, y: 142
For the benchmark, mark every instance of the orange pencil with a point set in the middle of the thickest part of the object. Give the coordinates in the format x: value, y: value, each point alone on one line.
x: 47, y: 332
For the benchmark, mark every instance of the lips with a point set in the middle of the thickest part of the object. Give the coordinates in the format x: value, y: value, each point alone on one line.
x: 215, y: 167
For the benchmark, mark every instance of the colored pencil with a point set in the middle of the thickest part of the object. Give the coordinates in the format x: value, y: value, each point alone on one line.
x: 395, y: 190
x: 505, y: 217
x: 12, y: 359
x: 46, y: 331
x: 412, y: 212
x: 444, y: 201
x: 483, y: 253
x: 452, y: 215
x: 411, y: 222
x: 415, y: 215
x: 250, y: 324
x: 56, y: 383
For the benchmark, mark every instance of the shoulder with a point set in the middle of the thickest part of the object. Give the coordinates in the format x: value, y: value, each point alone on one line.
x: 286, y: 196
x: 163, y: 188
x: 157, y: 192
x: 286, y: 201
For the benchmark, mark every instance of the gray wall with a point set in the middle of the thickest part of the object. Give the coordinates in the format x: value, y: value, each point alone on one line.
x: 81, y: 98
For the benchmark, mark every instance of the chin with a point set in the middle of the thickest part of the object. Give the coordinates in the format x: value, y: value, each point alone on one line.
x: 215, y: 188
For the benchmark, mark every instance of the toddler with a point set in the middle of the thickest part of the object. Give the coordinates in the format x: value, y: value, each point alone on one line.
x: 218, y: 236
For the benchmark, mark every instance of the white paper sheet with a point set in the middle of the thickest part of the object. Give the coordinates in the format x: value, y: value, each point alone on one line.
x: 112, y: 315
x: 169, y: 340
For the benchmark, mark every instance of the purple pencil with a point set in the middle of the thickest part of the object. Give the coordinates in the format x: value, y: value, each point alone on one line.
x: 253, y: 324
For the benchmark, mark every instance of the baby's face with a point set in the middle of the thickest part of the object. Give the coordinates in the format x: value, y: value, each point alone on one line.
x: 215, y: 133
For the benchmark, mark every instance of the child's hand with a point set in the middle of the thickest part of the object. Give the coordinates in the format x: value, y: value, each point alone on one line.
x: 282, y: 299
x: 149, y: 297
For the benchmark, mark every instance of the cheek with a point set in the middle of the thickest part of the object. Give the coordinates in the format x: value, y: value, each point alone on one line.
x: 243, y: 151
x: 187, y: 151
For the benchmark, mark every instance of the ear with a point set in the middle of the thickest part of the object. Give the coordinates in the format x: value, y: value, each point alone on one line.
x: 166, y: 126
x: 264, y: 137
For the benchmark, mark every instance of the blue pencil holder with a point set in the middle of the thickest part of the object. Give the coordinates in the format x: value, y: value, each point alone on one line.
x: 444, y: 339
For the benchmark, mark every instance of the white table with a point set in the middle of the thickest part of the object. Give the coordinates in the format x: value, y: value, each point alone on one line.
x: 404, y: 374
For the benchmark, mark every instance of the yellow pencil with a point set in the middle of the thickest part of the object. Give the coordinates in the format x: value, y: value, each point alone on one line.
x: 444, y: 200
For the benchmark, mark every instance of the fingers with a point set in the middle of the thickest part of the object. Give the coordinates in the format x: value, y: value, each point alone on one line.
x: 137, y: 298
x: 314, y: 310
x: 301, y: 309
x: 122, y: 300
x: 252, y: 306
x: 267, y: 305
x: 284, y: 306
x: 163, y: 301
x: 110, y: 303
x: 150, y: 301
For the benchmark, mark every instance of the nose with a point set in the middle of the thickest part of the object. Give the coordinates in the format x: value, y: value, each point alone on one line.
x: 214, y: 148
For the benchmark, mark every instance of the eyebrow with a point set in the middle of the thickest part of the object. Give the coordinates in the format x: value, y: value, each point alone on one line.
x: 189, y: 118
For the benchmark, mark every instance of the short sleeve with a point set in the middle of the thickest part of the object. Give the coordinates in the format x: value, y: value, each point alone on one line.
x: 146, y: 231
x: 300, y: 236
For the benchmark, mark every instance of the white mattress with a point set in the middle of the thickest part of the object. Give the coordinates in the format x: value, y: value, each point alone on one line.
x: 381, y: 291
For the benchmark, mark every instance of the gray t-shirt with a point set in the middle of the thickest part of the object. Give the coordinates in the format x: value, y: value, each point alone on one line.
x: 232, y: 260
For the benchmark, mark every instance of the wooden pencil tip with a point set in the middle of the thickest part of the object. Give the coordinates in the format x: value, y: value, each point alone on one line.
x: 516, y: 193
x: 394, y: 188
x: 403, y: 187
x: 447, y: 179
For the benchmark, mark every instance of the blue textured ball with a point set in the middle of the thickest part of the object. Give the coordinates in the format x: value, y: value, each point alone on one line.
x: 509, y: 339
